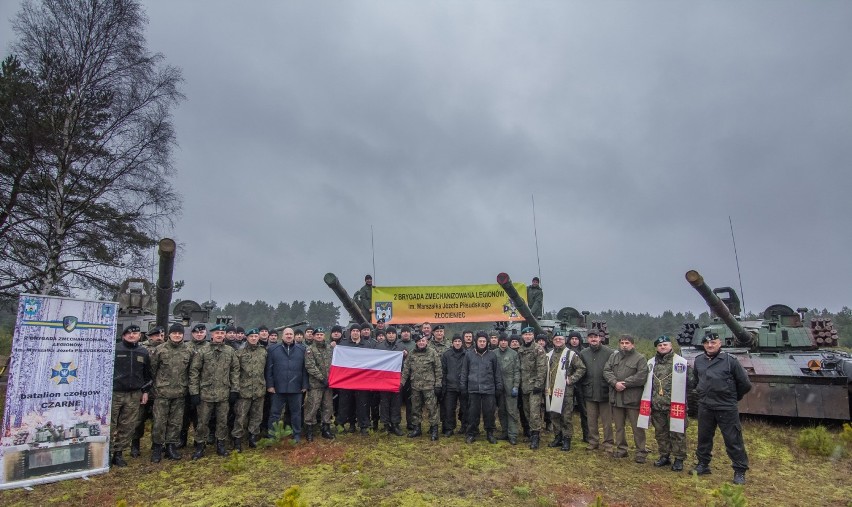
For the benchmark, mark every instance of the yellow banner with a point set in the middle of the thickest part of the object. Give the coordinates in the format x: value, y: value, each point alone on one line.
x: 452, y: 303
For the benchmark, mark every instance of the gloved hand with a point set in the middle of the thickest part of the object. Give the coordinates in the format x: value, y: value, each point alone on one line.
x: 195, y: 400
x: 438, y: 391
x: 234, y: 396
x: 514, y: 392
x: 537, y: 390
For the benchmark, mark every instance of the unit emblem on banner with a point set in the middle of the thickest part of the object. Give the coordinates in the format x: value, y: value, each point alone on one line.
x: 69, y: 323
x: 32, y: 307
x: 384, y: 310
x: 64, y: 373
x: 509, y: 309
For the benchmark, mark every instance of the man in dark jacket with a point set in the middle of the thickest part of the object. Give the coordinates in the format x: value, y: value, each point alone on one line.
x: 131, y: 380
x: 390, y: 404
x: 287, y: 380
x: 626, y: 372
x: 720, y: 381
x: 481, y: 378
x: 596, y: 391
x: 575, y: 343
x: 355, y: 404
x: 451, y: 365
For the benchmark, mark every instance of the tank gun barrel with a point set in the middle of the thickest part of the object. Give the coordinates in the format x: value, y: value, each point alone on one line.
x: 165, y: 283
x: 506, y: 282
x: 743, y: 338
x: 333, y: 283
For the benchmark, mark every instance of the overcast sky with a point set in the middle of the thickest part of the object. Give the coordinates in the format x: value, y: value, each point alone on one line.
x: 639, y: 127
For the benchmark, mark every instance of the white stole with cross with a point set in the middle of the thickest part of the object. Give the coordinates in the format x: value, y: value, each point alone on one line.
x: 555, y: 397
x: 677, y: 409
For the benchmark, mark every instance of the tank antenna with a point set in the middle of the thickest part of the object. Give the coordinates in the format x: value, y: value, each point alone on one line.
x: 736, y: 257
x: 535, y: 232
x: 373, y: 246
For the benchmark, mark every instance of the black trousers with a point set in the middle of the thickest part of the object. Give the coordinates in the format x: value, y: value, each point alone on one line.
x: 484, y: 404
x: 375, y: 401
x: 728, y: 422
x: 355, y: 407
x: 453, y: 400
x: 406, y: 400
x: 390, y: 407
x: 580, y: 398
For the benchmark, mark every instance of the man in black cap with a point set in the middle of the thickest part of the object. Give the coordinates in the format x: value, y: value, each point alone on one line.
x: 507, y: 401
x: 262, y: 336
x: 131, y: 380
x: 535, y: 298
x: 451, y: 365
x: 575, y: 343
x: 364, y: 298
x: 170, y: 370
x: 390, y: 403
x: 720, y: 382
x: 355, y: 404
x: 407, y: 344
x: 481, y: 378
x: 366, y: 334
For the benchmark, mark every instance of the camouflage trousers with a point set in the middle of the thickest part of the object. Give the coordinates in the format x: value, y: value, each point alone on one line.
x: 248, y: 412
x: 168, y: 416
x: 507, y: 412
x: 563, y: 422
x: 205, y: 411
x: 126, y: 409
x: 532, y: 410
x: 145, y: 413
x: 319, y: 398
x: 668, y: 442
x: 418, y: 400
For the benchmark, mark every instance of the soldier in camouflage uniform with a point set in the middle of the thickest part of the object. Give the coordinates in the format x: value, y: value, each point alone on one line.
x: 507, y: 401
x: 407, y: 344
x: 535, y: 298
x: 130, y: 382
x: 533, y: 371
x: 318, y: 365
x: 364, y: 297
x: 170, y: 370
x: 423, y: 369
x: 214, y: 378
x: 252, y: 388
x: 154, y: 339
x: 574, y: 370
x: 190, y: 415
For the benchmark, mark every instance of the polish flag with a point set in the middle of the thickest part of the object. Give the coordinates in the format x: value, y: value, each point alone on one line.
x: 365, y: 369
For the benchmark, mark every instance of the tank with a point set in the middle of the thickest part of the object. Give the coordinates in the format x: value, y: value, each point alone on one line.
x: 140, y: 303
x: 355, y: 314
x: 791, y: 375
x: 505, y: 281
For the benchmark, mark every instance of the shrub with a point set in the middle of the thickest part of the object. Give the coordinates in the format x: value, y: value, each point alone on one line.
x: 819, y: 441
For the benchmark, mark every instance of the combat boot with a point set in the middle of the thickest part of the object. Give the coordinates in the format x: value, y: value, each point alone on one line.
x: 199, y: 450
x: 182, y: 440
x: 118, y: 459
x: 701, y: 469
x: 566, y: 444
x: 395, y: 429
x: 739, y: 477
x: 220, y: 448
x: 156, y: 453
x: 534, y: 439
x: 489, y: 435
x: 365, y: 431
x: 434, y: 432
x: 134, y: 448
x: 252, y: 441
x: 211, y: 438
x: 171, y: 452
x: 663, y: 461
x: 469, y: 439
x: 557, y: 440
x: 309, y: 432
x: 238, y: 444
x: 416, y: 432
x: 513, y: 440
x: 677, y: 466
x: 448, y: 433
x: 327, y: 434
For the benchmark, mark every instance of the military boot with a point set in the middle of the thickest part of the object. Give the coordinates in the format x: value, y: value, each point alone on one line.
x: 211, y: 438
x: 433, y: 431
x: 238, y: 444
x: 566, y: 444
x: 677, y: 466
x: 220, y: 448
x: 171, y: 452
x: 134, y: 448
x: 252, y: 441
x: 156, y: 453
x: 739, y: 477
x: 701, y: 469
x: 557, y: 440
x: 396, y: 430
x: 513, y: 440
x: 118, y: 459
x: 325, y: 431
x: 534, y: 439
x: 199, y: 450
x: 182, y: 440
x: 309, y: 432
x: 663, y: 461
x: 489, y: 435
x: 416, y: 432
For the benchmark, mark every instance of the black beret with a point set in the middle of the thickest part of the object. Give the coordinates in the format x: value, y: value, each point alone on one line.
x: 241, y: 330
x: 514, y: 338
x: 262, y: 328
x: 155, y: 331
x: 457, y: 337
x: 438, y: 326
x: 219, y: 327
x: 230, y: 329
x: 130, y: 328
x: 710, y: 335
x: 366, y: 326
x: 199, y: 327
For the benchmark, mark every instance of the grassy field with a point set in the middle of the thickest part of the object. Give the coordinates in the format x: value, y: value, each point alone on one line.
x: 398, y: 471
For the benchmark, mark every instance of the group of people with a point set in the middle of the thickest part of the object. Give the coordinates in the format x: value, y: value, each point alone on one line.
x: 523, y: 382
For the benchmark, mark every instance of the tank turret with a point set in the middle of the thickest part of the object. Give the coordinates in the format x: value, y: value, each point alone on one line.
x: 506, y: 282
x: 333, y: 283
x: 742, y: 337
x: 165, y: 284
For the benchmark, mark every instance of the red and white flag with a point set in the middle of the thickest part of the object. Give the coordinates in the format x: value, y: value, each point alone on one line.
x: 365, y: 369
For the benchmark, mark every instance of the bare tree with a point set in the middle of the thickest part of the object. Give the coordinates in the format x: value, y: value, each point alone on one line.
x: 94, y: 185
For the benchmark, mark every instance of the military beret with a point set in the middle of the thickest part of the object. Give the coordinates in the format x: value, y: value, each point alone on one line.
x: 336, y: 329
x: 558, y: 335
x: 457, y: 337
x: 241, y: 329
x: 710, y: 335
x: 418, y: 336
x: 481, y: 334
x: 528, y: 329
x: 199, y: 327
x: 493, y: 333
x: 252, y: 331
x: 320, y: 330
x: 439, y: 326
x: 541, y: 336
x: 514, y: 338
x: 592, y: 332
x: 366, y: 326
x: 176, y: 328
x: 380, y: 320
x: 405, y: 328
x: 155, y: 331
x: 391, y: 329
x: 262, y: 328
x: 219, y: 327
x: 662, y: 339
x: 130, y: 328
x: 575, y: 334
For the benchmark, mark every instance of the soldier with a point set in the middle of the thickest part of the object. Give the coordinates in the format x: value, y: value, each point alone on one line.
x: 240, y: 340
x: 575, y: 344
x: 130, y: 382
x: 309, y: 335
x: 230, y: 335
x: 596, y: 391
x: 390, y: 403
x: 426, y: 330
x: 318, y: 365
x: 251, y: 387
x: 626, y: 372
x: 535, y: 298
x: 364, y: 297
x: 336, y: 335
x: 154, y: 339
x: 190, y: 414
x: 481, y: 379
x: 408, y: 345
x: 493, y: 340
x: 355, y: 404
x: 533, y: 371
x: 467, y: 339
x: 720, y: 382
x: 564, y: 371
x: 214, y: 377
x: 380, y: 336
x: 423, y: 368
x: 263, y: 336
x: 664, y: 403
x: 287, y: 380
x: 299, y: 336
x: 170, y: 370
x: 507, y: 405
x: 454, y: 398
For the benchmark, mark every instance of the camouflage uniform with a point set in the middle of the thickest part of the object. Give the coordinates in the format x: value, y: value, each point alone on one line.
x: 423, y: 369
x: 364, y: 299
x: 252, y: 387
x: 190, y: 413
x: 507, y: 405
x: 214, y: 373
x: 563, y: 424
x: 318, y: 364
x: 170, y: 369
x: 146, y: 411
x: 668, y: 442
x: 533, y: 371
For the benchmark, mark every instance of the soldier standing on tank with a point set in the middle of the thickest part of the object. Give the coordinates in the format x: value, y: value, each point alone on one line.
x: 214, y: 378
x: 562, y: 362
x: 626, y: 372
x: 190, y: 414
x: 130, y: 382
x: 252, y: 389
x: 533, y: 371
x: 154, y: 340
x: 481, y: 378
x: 535, y: 298
x: 170, y: 370
x: 720, y: 382
x: 507, y: 405
x: 318, y: 366
x: 596, y: 391
x: 451, y: 364
x: 423, y: 368
x: 364, y: 297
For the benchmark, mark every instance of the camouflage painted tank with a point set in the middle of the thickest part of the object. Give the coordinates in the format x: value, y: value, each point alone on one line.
x: 791, y: 375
